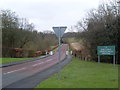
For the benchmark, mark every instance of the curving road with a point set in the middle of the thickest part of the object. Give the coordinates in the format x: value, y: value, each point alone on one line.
x: 18, y: 72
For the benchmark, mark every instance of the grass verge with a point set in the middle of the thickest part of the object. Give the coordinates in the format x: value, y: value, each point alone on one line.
x: 10, y: 60
x: 83, y: 74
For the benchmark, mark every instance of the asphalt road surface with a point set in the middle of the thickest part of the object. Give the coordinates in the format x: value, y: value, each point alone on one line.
x: 31, y: 82
x: 12, y: 75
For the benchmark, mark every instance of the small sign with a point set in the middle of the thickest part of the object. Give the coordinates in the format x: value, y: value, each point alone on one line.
x: 106, y: 50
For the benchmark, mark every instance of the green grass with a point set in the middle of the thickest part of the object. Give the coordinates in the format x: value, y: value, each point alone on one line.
x: 51, y: 46
x: 54, y: 49
x: 0, y: 60
x: 83, y: 74
x: 10, y: 60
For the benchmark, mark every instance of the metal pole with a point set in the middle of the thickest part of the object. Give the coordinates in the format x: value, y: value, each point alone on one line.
x: 114, y: 60
x: 98, y: 59
x: 59, y: 58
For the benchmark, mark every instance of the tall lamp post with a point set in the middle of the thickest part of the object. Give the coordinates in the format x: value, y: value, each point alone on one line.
x: 59, y: 31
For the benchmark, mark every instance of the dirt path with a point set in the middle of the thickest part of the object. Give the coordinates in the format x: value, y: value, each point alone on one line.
x: 76, y: 46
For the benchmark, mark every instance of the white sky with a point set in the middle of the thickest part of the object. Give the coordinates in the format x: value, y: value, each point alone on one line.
x: 48, y: 13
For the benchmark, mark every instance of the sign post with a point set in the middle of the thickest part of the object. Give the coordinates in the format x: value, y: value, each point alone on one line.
x: 106, y: 50
x: 59, y: 31
x: 98, y: 58
x: 114, y: 60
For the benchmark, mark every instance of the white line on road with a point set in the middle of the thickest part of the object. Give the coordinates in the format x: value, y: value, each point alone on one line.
x: 42, y: 62
x: 37, y: 64
x: 49, y: 60
x: 14, y: 71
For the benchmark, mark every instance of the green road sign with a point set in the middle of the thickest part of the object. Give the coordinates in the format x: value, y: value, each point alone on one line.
x: 106, y: 50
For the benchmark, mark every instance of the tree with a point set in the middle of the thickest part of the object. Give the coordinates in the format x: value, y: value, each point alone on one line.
x: 101, y: 28
x: 19, y: 33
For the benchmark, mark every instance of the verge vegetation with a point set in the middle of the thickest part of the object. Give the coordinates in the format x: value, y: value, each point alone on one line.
x: 10, y: 60
x: 82, y: 74
x: 19, y: 33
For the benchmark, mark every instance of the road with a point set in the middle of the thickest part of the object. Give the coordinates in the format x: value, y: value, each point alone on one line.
x: 18, y: 72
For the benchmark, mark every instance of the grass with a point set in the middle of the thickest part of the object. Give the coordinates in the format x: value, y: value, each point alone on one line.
x: 51, y: 46
x: 54, y: 49
x: 83, y: 74
x: 10, y: 60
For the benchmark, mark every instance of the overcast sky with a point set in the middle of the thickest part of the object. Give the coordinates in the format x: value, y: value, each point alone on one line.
x: 48, y: 13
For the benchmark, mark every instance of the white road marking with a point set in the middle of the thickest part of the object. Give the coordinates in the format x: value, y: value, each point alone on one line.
x: 14, y: 71
x: 49, y: 60
x: 37, y: 64
x: 25, y: 68
x: 42, y: 62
